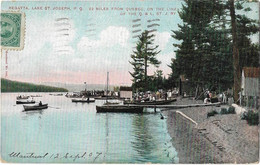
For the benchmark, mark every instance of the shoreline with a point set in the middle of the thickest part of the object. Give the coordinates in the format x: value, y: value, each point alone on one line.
x: 217, y: 139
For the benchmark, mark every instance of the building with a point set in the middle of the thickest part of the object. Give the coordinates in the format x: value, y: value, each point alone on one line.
x: 250, y: 85
x: 250, y: 82
x: 126, y: 92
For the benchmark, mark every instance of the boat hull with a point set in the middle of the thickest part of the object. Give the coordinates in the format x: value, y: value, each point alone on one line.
x: 82, y: 101
x: 119, y: 109
x: 33, y: 108
x: 25, y: 102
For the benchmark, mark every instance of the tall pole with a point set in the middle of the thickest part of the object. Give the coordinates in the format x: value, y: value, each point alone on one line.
x: 107, y: 85
x: 237, y: 74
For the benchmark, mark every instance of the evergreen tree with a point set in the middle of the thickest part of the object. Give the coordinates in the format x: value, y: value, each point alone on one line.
x: 214, y: 48
x: 144, y: 55
x: 194, y: 51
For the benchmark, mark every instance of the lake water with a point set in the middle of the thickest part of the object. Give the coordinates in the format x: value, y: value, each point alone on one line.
x: 75, y: 133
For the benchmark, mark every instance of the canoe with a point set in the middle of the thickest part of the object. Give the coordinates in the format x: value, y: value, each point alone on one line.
x: 35, y: 107
x: 25, y: 102
x: 82, y: 101
x: 119, y: 109
x: 157, y: 102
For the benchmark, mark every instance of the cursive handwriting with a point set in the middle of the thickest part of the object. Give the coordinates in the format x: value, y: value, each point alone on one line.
x: 74, y: 157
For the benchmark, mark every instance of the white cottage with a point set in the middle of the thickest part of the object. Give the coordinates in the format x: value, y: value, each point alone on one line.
x: 126, y: 92
x: 250, y: 86
x: 250, y: 81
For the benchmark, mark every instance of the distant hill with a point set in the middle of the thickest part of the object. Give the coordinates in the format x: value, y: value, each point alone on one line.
x: 15, y: 86
x: 78, y: 87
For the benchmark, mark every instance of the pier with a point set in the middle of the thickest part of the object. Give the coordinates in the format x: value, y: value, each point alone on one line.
x: 130, y: 108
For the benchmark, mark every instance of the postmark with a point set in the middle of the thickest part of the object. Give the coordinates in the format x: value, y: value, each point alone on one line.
x: 12, y: 30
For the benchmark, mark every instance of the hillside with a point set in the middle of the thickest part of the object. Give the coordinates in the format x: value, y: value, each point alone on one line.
x: 15, y: 86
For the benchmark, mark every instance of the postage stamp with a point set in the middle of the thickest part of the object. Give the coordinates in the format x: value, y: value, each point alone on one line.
x: 12, y: 30
x: 130, y: 81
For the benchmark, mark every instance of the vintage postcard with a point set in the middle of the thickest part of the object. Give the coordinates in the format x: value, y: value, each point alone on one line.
x: 130, y: 81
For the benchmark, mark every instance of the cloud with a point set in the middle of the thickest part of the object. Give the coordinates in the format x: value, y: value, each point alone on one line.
x: 111, y: 36
x: 161, y: 39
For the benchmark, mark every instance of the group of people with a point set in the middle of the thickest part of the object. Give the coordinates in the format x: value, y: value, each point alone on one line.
x: 209, y: 95
x: 152, y: 96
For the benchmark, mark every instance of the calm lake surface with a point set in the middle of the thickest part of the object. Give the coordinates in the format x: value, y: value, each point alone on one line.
x: 75, y: 133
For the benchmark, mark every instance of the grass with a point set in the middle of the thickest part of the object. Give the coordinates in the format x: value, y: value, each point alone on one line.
x: 15, y: 86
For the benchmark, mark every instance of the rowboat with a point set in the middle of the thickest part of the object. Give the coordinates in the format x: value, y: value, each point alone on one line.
x: 35, y: 107
x: 25, y: 102
x: 111, y: 103
x: 36, y: 96
x: 22, y: 97
x: 156, y: 102
x: 59, y: 94
x: 82, y: 101
x: 119, y: 109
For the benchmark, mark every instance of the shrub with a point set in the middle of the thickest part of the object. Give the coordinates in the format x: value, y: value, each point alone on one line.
x: 252, y: 118
x: 231, y: 110
x: 212, y: 113
x: 223, y: 111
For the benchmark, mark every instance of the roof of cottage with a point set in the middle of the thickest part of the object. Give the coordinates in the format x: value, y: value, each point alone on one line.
x: 251, y: 72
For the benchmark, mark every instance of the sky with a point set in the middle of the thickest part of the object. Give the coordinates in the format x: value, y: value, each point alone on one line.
x: 76, y: 41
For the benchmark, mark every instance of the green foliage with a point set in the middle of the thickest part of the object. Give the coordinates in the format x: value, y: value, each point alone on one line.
x: 204, y: 47
x: 223, y: 111
x: 14, y: 86
x: 212, y: 113
x: 144, y: 54
x: 231, y: 110
x: 251, y: 117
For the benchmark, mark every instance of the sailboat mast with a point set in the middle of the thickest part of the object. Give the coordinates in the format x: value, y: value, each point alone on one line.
x: 107, y: 85
x: 107, y: 81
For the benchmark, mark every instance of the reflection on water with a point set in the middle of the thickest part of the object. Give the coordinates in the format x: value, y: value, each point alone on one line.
x: 143, y: 141
x: 77, y: 129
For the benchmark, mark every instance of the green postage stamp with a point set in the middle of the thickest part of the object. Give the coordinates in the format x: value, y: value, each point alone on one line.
x: 12, y: 30
x: 130, y: 81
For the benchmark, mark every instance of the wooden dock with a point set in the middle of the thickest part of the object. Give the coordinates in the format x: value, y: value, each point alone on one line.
x: 131, y: 107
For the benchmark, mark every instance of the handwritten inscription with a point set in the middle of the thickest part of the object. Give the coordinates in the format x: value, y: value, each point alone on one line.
x: 73, y: 157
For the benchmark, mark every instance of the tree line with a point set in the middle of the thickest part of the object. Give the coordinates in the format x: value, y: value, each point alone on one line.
x: 214, y: 45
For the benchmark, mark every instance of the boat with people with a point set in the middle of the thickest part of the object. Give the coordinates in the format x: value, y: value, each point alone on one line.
x: 111, y: 103
x: 36, y: 95
x: 119, y: 109
x: 22, y: 97
x: 25, y: 101
x: 59, y: 94
x: 153, y: 102
x: 35, y: 107
x: 82, y: 100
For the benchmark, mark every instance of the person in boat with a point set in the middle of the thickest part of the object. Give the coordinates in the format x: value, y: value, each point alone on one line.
x: 40, y: 104
x: 88, y: 99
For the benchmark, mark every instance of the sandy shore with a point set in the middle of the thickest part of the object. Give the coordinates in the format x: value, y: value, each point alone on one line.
x: 218, y: 139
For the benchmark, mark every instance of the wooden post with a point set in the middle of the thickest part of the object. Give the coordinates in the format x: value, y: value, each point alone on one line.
x: 247, y: 101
